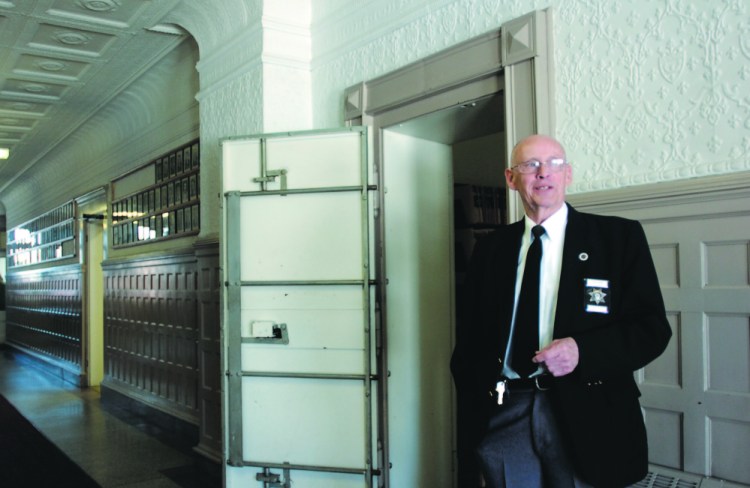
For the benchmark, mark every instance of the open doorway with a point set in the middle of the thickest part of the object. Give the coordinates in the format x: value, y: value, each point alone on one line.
x: 92, y: 209
x: 474, y: 134
x: 443, y: 128
x: 443, y: 179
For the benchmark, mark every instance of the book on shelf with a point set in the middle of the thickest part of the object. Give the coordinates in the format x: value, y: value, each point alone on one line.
x: 477, y: 205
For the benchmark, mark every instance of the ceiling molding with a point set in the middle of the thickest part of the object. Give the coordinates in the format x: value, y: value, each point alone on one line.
x: 63, y: 62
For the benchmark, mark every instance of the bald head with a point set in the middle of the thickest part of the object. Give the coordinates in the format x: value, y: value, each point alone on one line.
x: 516, y: 156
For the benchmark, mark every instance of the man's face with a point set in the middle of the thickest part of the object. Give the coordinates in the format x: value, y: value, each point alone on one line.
x: 542, y: 192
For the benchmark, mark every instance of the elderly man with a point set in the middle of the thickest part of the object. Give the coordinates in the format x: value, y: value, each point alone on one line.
x: 561, y: 308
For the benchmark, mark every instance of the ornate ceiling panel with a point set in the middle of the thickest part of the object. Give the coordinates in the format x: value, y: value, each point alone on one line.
x: 61, y: 61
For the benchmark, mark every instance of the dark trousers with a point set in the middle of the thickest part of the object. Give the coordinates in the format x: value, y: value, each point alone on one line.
x: 522, y: 448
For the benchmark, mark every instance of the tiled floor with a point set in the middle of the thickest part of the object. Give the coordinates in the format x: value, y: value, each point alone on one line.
x: 103, y: 441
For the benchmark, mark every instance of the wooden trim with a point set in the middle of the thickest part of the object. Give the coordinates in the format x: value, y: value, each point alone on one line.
x: 176, y: 255
x: 670, y: 199
x: 462, y: 64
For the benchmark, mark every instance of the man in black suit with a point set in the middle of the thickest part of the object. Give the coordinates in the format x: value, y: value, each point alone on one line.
x: 566, y: 412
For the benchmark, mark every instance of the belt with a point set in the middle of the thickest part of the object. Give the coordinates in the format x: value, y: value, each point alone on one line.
x: 541, y: 383
x: 507, y: 386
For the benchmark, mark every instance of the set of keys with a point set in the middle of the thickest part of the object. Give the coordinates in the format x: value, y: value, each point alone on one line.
x: 500, y: 389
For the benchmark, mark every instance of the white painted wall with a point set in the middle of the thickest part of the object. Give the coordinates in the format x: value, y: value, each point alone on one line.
x: 647, y: 91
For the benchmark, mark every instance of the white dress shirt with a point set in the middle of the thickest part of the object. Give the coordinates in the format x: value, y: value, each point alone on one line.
x: 553, y: 241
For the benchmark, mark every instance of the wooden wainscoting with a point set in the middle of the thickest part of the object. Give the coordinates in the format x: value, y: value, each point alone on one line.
x: 209, y: 350
x: 44, y: 317
x: 151, y: 332
x: 696, y: 396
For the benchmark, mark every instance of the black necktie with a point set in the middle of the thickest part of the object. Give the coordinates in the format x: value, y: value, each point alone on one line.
x: 526, y: 335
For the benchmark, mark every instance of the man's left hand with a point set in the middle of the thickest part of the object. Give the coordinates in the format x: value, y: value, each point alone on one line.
x: 560, y: 357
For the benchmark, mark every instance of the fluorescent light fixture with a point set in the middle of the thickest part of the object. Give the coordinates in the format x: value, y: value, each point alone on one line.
x: 4, y: 153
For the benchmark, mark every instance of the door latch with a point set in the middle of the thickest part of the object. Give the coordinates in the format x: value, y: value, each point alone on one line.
x: 274, y: 480
x: 265, y: 332
x: 270, y: 175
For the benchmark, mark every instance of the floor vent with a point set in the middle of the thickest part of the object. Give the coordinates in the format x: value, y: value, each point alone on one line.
x: 654, y: 480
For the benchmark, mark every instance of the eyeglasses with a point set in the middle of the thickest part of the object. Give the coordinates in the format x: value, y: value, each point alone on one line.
x: 533, y: 166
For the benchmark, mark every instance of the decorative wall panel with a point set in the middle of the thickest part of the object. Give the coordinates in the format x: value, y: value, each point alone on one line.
x: 696, y: 395
x: 209, y: 350
x: 669, y: 424
x: 728, y: 339
x: 151, y: 332
x: 652, y: 91
x: 727, y: 263
x: 44, y: 314
x: 667, y: 260
x: 729, y: 451
x: 666, y: 370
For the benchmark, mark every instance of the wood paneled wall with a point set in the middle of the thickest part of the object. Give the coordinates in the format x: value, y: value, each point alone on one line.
x: 151, y: 332
x: 44, y: 314
x: 209, y: 350
x: 696, y: 395
x: 161, y: 330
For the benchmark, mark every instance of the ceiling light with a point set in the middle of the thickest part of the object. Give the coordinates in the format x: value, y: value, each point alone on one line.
x: 4, y: 153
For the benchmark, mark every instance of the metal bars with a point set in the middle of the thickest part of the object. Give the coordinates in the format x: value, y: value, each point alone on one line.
x: 234, y: 285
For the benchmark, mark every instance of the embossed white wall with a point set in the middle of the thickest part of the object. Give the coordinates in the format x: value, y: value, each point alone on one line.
x: 646, y: 90
x: 653, y: 91
x: 254, y: 73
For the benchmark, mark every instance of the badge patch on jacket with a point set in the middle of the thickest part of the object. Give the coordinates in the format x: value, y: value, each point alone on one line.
x: 596, y: 295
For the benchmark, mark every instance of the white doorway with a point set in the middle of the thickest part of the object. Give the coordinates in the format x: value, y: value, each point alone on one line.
x: 93, y: 231
x: 426, y: 162
x: 444, y: 120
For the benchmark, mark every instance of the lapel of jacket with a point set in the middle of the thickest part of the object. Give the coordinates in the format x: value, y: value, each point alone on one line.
x: 505, y: 267
x: 570, y: 274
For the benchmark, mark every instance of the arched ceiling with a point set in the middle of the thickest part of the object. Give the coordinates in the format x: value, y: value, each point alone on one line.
x: 63, y: 61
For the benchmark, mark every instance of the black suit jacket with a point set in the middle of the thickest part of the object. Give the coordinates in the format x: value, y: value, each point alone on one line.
x: 597, y: 404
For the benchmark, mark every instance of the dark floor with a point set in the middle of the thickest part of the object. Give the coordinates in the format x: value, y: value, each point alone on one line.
x: 114, y: 449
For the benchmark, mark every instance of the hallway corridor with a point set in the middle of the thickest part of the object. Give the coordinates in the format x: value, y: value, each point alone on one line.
x: 115, y: 448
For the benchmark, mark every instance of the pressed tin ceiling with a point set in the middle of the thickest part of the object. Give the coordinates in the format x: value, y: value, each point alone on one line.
x: 61, y: 61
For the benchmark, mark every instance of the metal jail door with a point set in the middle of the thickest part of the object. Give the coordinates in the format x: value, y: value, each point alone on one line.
x: 300, y: 403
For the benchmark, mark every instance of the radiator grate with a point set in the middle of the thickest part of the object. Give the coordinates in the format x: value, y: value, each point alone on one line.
x: 654, y: 480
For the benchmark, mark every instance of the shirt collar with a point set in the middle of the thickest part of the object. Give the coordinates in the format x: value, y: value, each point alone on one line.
x: 554, y: 226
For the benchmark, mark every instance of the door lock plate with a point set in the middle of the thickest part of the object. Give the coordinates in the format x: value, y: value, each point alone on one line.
x: 266, y: 332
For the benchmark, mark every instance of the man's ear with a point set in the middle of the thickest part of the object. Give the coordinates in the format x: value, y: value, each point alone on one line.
x: 509, y: 179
